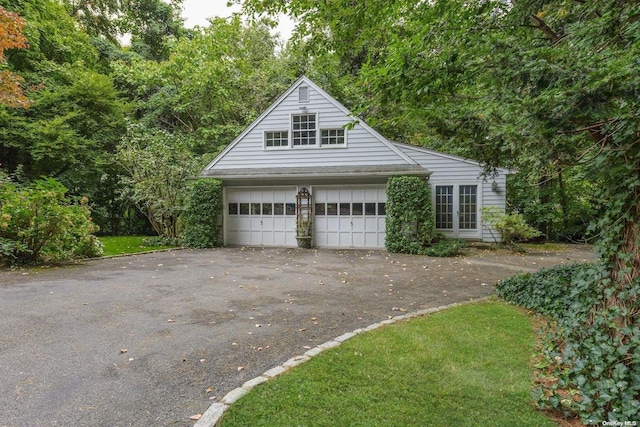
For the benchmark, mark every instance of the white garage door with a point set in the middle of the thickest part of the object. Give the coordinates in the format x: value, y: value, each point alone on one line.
x: 349, y: 217
x: 261, y: 217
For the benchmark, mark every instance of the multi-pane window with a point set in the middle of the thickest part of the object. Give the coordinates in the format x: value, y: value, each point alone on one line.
x: 468, y: 207
x: 332, y: 137
x: 276, y: 139
x: 444, y: 207
x: 351, y: 209
x: 304, y: 129
x: 263, y: 209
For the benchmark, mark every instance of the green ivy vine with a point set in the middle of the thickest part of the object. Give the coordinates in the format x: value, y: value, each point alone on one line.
x: 202, y: 214
x: 410, y: 220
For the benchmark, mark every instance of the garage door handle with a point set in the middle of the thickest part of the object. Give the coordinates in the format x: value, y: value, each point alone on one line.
x: 260, y: 222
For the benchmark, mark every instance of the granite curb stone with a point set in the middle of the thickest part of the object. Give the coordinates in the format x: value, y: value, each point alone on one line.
x: 212, y: 416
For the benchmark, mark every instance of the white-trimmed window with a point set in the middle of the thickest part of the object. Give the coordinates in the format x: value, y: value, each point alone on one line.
x: 276, y: 138
x: 332, y: 137
x: 304, y: 127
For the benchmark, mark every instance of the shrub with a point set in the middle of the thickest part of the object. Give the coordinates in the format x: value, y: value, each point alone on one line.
x: 409, y: 219
x: 512, y: 227
x: 38, y: 223
x: 445, y: 248
x: 202, y: 214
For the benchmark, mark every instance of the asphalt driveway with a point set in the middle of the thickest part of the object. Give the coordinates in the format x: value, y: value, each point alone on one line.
x: 154, y: 339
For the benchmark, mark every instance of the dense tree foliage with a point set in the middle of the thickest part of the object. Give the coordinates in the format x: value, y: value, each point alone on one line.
x: 214, y: 84
x: 157, y: 166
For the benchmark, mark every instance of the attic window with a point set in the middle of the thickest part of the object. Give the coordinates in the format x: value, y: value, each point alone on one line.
x: 303, y: 94
x: 332, y: 137
x: 304, y: 129
x: 276, y: 139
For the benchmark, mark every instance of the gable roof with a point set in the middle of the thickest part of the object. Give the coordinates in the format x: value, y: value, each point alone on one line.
x: 303, y: 80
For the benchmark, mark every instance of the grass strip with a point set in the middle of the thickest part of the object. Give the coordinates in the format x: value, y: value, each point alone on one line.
x: 120, y: 245
x: 467, y: 366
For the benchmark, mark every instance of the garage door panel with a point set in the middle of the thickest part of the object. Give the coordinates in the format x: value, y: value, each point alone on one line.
x: 256, y: 217
x: 350, y: 216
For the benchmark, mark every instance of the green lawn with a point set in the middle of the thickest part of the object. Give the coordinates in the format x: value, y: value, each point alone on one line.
x: 118, y: 245
x: 467, y: 366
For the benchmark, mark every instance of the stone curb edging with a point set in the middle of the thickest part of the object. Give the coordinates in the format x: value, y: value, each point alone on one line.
x: 212, y: 415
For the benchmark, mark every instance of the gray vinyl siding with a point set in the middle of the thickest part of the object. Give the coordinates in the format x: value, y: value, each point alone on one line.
x: 361, y: 147
x: 448, y: 170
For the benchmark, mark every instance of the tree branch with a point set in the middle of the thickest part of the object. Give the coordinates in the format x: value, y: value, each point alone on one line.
x: 542, y: 26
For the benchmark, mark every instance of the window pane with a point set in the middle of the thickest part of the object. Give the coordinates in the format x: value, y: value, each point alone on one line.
x: 332, y: 209
x: 255, y: 208
x: 267, y: 209
x: 233, y: 209
x: 319, y: 209
x: 369, y: 208
x: 244, y: 208
x: 356, y: 208
x: 304, y: 129
x: 278, y: 208
x: 345, y: 209
x: 291, y: 209
x: 468, y: 207
x: 332, y: 137
x: 382, y: 209
x: 444, y: 207
x: 276, y: 139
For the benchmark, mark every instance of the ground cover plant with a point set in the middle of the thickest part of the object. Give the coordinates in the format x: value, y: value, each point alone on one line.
x: 465, y: 366
x: 119, y: 245
x: 601, y: 384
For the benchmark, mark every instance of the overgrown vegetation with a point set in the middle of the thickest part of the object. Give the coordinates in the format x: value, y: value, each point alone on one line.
x: 467, y: 366
x: 202, y: 216
x: 582, y: 370
x: 512, y: 228
x: 409, y: 219
x: 157, y: 165
x: 39, y: 223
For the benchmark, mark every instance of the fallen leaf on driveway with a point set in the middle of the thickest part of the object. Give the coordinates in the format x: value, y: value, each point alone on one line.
x: 170, y: 321
x: 313, y: 319
x: 302, y: 329
x: 123, y: 350
x: 240, y: 368
x: 195, y: 417
x: 210, y: 389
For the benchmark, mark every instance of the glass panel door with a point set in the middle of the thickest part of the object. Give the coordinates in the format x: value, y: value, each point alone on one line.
x: 468, y: 207
x: 444, y: 207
